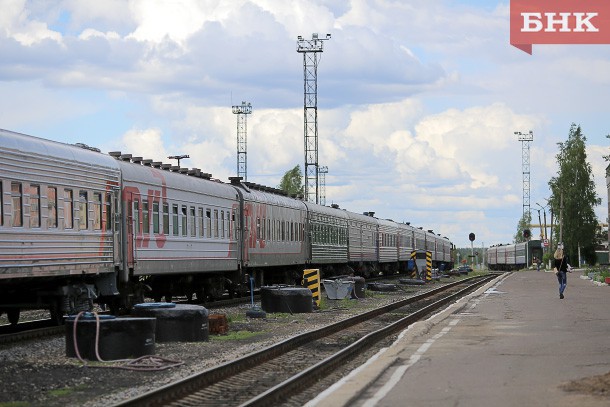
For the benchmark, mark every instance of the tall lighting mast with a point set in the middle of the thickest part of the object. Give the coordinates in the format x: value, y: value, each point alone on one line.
x: 525, y: 139
x: 310, y: 50
x: 242, y: 138
x: 323, y: 171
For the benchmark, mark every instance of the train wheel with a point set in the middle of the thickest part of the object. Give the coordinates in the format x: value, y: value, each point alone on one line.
x: 13, y: 315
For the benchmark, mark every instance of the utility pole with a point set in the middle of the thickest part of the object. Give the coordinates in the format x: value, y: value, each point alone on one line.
x: 242, y: 138
x: 525, y: 139
x: 310, y: 50
x: 178, y: 157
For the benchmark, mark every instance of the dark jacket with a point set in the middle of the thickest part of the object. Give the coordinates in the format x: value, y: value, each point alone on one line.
x: 562, y: 264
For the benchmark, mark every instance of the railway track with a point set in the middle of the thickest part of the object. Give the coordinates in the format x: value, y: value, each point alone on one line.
x: 46, y: 327
x: 41, y: 328
x: 273, y: 375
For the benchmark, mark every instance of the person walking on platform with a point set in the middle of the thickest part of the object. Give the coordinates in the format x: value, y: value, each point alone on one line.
x: 562, y: 267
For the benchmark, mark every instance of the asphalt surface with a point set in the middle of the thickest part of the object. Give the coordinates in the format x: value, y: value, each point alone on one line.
x: 511, y: 343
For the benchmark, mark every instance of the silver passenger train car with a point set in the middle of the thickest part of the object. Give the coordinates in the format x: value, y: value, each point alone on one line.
x: 78, y: 226
x: 514, y: 256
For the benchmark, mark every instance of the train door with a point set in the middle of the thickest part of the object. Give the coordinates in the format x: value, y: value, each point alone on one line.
x: 113, y: 221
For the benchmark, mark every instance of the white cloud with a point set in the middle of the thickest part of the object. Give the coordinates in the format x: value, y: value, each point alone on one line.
x: 16, y: 23
x: 417, y: 101
x: 146, y: 143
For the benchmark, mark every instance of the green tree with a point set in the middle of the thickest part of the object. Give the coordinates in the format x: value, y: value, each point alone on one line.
x: 524, y: 223
x: 292, y: 182
x: 573, y: 198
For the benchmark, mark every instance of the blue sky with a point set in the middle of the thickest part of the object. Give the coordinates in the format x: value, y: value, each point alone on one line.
x: 418, y: 100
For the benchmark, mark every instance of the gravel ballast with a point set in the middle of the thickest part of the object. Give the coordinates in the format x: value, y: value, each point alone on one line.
x: 38, y: 373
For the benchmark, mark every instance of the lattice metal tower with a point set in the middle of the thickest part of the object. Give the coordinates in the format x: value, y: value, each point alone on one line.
x: 242, y: 138
x: 310, y: 50
x: 525, y: 139
x: 323, y: 171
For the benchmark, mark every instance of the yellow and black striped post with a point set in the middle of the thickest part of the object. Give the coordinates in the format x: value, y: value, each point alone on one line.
x: 311, y: 280
x: 414, y: 269
x: 428, y: 266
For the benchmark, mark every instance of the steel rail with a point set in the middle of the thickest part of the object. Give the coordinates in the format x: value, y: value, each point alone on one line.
x: 191, y: 384
x: 307, y: 377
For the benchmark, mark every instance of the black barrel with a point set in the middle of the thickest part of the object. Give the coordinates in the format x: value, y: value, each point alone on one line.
x: 118, y: 338
x: 286, y: 299
x: 177, y: 323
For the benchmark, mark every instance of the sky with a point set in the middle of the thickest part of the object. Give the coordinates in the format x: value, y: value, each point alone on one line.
x: 418, y: 101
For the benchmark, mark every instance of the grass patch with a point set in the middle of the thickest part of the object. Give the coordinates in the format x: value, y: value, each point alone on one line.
x: 241, y: 317
x: 65, y: 391
x: 234, y: 336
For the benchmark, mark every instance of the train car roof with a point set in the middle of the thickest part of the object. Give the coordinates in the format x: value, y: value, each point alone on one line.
x: 269, y: 196
x: 44, y: 149
x: 327, y: 210
x: 367, y: 218
x: 179, y: 179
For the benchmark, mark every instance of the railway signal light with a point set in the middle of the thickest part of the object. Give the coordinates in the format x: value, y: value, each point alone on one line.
x: 471, y: 237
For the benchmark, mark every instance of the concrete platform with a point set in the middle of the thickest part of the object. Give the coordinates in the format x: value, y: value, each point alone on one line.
x: 511, y: 343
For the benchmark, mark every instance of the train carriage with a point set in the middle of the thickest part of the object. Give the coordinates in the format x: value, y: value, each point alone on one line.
x: 56, y: 224
x: 78, y: 226
x: 326, y: 235
x: 444, y: 260
x: 513, y: 256
x: 387, y: 239
x: 405, y: 242
x: 520, y: 253
x: 492, y: 256
x: 419, y: 239
x: 273, y: 227
x: 362, y: 243
x: 178, y: 226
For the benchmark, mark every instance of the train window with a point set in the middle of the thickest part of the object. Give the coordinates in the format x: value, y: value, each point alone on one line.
x: 83, y: 209
x: 263, y: 223
x: 108, y: 204
x: 192, y: 222
x: 1, y: 204
x: 222, y: 224
x: 97, y: 211
x: 34, y: 192
x: 175, y: 220
x: 234, y: 223
x: 17, y: 197
x: 155, y: 217
x: 68, y: 209
x: 291, y: 231
x: 166, y: 219
x: 216, y: 223
x: 258, y: 227
x: 208, y: 222
x: 184, y: 221
x: 136, y: 216
x: 200, y: 222
x: 145, y: 217
x: 227, y: 225
x: 268, y: 230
